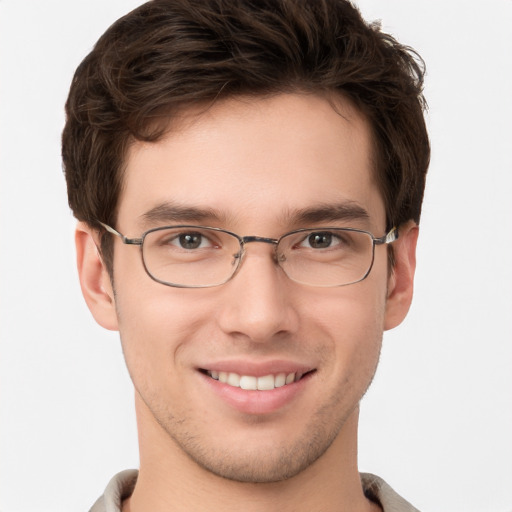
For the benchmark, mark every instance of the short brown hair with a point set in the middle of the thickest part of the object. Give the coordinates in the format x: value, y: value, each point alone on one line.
x: 168, y: 54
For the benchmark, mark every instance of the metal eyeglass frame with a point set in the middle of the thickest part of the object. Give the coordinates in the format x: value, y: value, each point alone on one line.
x: 388, y: 238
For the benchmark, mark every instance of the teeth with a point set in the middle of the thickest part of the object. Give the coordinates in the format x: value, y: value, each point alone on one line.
x: 233, y: 380
x: 280, y: 380
x: 248, y: 382
x: 266, y: 383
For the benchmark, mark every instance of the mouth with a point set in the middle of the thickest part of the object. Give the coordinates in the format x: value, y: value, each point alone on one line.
x: 253, y: 383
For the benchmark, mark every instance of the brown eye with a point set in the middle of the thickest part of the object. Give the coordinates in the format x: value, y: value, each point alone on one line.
x: 190, y: 240
x: 321, y: 240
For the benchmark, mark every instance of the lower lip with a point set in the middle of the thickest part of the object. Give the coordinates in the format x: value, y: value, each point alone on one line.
x: 257, y: 402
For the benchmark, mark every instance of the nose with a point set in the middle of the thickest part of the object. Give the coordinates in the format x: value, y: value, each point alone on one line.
x: 258, y: 303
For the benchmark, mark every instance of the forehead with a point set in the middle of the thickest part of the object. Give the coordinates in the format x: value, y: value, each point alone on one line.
x: 255, y: 161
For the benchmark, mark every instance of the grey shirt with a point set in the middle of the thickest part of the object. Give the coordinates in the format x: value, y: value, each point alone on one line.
x: 375, y: 489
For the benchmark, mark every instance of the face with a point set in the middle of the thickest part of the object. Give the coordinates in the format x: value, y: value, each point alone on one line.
x: 252, y: 166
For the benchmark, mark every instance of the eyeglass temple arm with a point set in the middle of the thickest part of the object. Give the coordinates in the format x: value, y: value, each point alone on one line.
x: 391, y: 236
x: 124, y: 239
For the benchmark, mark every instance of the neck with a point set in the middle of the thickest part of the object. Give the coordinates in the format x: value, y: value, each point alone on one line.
x: 170, y: 480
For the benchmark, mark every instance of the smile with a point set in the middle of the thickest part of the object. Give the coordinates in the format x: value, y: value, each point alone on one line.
x: 250, y: 382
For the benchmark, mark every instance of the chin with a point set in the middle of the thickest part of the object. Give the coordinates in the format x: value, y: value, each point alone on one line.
x: 260, y: 467
x: 261, y: 457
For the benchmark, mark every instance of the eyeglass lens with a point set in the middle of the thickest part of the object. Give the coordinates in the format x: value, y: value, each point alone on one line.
x: 203, y: 257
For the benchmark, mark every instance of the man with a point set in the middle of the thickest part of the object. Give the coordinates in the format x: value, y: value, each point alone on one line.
x: 248, y: 180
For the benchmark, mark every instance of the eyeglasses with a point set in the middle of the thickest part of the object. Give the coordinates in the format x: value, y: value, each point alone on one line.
x: 201, y: 257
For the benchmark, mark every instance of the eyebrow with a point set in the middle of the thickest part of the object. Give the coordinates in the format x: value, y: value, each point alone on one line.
x: 172, y: 212
x: 348, y: 210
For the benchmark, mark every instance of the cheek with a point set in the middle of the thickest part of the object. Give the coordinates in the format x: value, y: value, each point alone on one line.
x: 352, y: 319
x: 155, y: 323
x: 357, y: 309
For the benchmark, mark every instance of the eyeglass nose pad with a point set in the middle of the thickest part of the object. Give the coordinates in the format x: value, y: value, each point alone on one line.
x: 237, y: 257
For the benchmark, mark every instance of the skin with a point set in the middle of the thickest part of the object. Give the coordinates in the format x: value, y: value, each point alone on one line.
x: 255, y: 163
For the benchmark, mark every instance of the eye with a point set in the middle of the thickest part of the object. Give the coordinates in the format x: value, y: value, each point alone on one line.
x: 190, y: 241
x: 184, y: 240
x: 321, y: 240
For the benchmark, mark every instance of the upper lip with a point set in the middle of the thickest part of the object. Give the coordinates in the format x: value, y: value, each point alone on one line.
x: 256, y: 368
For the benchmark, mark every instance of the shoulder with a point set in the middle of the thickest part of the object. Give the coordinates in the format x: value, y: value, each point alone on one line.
x: 380, y: 492
x: 119, y: 488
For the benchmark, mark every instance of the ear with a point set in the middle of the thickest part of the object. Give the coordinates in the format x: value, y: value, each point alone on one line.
x: 94, y: 279
x: 401, y: 279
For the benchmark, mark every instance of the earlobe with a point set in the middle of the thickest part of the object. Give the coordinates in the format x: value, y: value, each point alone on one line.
x: 94, y: 279
x: 401, y: 279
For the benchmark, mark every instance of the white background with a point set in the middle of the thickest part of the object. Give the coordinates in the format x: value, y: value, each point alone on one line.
x: 437, y: 423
